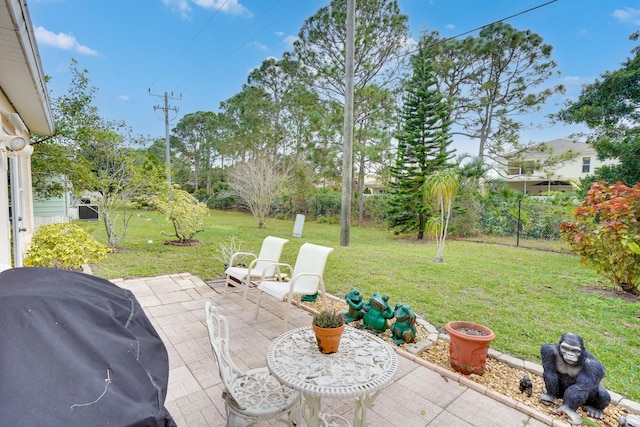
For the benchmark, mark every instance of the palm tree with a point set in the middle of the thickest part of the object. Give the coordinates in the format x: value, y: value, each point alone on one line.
x: 441, y: 189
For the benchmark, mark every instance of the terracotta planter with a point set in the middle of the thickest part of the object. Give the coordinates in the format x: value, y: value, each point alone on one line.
x: 328, y: 338
x: 468, y: 352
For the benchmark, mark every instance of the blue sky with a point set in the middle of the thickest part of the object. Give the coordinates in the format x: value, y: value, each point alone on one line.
x: 204, y: 50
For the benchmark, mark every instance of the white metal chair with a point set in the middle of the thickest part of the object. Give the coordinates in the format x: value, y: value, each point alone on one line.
x: 261, y: 265
x: 306, y: 277
x: 250, y: 396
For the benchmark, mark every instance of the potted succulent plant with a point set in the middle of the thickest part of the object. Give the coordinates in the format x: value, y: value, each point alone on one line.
x: 468, y: 346
x: 328, y: 326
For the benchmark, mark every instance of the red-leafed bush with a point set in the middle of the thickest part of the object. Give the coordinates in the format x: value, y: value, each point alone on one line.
x: 606, y: 233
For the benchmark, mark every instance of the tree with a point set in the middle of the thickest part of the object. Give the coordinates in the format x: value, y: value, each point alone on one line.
x: 96, y: 157
x: 491, y: 79
x: 441, y: 189
x: 257, y: 184
x: 374, y: 115
x: 196, y: 134
x: 118, y: 174
x: 245, y: 123
x: 422, y: 146
x: 606, y: 233
x: 55, y: 162
x: 609, y: 107
x: 184, y: 211
x: 381, y: 36
x: 467, y: 210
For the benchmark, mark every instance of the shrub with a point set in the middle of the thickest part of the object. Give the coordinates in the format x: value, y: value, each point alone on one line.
x: 606, y: 233
x: 65, y: 246
x: 184, y: 211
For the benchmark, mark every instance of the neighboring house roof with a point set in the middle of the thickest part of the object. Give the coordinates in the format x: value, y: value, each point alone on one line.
x: 21, y: 76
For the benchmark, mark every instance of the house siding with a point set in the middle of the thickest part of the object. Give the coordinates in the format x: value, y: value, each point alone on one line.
x: 563, y: 178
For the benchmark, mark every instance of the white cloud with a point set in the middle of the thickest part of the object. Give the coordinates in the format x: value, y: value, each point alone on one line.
x: 62, y: 41
x: 181, y: 6
x: 279, y: 33
x: 123, y: 97
x: 573, y: 86
x: 230, y: 7
x: 290, y: 40
x: 627, y: 14
x: 450, y: 27
x: 258, y: 45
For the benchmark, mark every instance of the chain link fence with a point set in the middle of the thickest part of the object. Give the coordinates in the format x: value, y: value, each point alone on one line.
x: 528, y: 223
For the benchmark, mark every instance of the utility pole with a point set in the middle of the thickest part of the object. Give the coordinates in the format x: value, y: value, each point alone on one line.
x: 165, y: 108
x: 347, y: 141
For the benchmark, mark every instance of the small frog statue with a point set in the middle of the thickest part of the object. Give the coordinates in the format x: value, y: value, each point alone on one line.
x: 403, y: 329
x: 378, y: 310
x: 356, y: 306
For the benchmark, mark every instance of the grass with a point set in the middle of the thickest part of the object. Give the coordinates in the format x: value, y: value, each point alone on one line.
x: 527, y: 297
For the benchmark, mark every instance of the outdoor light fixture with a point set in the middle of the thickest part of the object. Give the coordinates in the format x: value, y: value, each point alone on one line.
x: 15, y: 143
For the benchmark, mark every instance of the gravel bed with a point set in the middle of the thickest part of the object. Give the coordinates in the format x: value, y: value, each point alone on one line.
x: 498, y: 376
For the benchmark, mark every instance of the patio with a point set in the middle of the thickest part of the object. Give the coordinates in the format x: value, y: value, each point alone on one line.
x: 418, y: 395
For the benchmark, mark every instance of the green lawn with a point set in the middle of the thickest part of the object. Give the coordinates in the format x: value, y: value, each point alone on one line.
x: 527, y: 297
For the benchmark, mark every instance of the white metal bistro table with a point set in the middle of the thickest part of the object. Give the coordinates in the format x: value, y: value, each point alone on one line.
x: 363, y: 365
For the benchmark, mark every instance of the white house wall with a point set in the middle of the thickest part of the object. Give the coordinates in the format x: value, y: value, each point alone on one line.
x: 5, y: 224
x: 24, y: 108
x: 569, y: 172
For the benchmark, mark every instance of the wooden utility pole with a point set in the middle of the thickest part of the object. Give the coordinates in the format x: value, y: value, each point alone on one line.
x: 347, y: 141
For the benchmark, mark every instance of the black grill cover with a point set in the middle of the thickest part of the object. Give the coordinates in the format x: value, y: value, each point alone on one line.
x: 77, y: 350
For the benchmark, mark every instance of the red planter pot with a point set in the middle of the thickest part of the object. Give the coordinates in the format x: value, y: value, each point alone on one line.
x: 468, y: 352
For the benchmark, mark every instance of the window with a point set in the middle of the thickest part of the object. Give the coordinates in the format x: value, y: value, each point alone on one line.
x: 586, y: 164
x: 526, y: 167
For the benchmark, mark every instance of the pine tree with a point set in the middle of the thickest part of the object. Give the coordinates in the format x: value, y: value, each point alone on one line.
x: 423, y: 146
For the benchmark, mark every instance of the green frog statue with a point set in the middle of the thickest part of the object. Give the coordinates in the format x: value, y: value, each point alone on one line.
x: 403, y: 329
x: 356, y: 306
x: 377, y: 311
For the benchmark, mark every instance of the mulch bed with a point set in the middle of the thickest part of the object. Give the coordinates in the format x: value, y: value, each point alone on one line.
x: 498, y: 376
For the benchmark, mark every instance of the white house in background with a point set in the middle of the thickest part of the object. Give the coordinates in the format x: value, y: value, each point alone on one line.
x: 24, y: 109
x: 520, y: 172
x: 62, y: 208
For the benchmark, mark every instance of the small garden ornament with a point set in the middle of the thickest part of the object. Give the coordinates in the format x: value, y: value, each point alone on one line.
x: 378, y: 310
x: 573, y: 375
x: 526, y: 385
x: 355, y: 302
x: 403, y: 329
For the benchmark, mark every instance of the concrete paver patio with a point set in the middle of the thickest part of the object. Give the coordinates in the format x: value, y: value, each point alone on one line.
x: 418, y: 396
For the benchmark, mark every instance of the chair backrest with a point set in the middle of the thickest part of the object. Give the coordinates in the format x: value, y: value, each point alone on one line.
x: 311, y: 259
x: 219, y: 338
x: 271, y: 250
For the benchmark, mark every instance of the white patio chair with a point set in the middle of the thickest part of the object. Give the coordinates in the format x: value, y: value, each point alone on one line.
x: 260, y: 265
x: 254, y: 395
x: 306, y: 277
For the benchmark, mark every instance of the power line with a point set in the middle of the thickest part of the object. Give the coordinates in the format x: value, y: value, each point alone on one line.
x: 235, y: 38
x: 258, y: 33
x: 484, y: 26
x: 499, y: 20
x: 173, y: 61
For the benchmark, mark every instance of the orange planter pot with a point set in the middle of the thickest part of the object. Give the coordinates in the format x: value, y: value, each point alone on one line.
x: 328, y: 338
x: 468, y: 352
